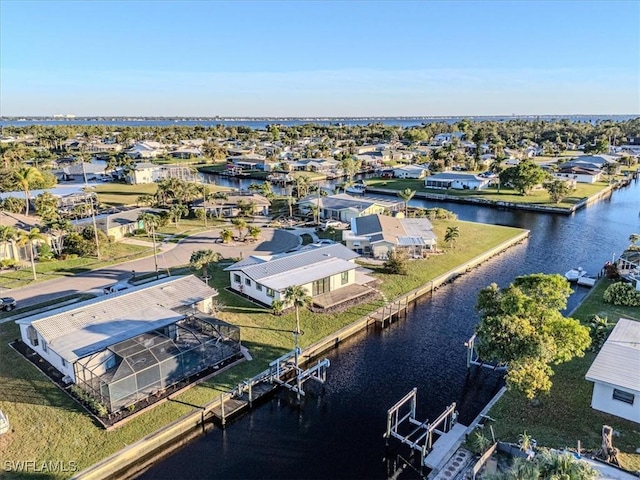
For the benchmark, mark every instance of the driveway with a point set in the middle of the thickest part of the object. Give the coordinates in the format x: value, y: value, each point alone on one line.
x: 169, y: 255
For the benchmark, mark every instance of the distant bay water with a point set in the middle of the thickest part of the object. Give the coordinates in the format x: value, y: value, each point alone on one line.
x: 261, y: 123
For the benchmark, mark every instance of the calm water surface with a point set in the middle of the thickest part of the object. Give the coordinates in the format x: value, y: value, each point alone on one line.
x: 337, y: 433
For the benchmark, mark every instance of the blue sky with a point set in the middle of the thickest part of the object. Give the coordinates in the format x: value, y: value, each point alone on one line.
x: 319, y: 58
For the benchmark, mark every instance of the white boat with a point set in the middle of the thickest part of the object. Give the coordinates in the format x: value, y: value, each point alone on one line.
x: 587, y: 281
x: 4, y: 423
x: 574, y: 274
x: 358, y: 188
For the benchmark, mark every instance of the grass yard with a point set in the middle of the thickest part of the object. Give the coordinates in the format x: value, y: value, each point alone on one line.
x: 119, y: 194
x: 111, y: 253
x: 566, y: 416
x: 537, y: 197
x: 47, y: 424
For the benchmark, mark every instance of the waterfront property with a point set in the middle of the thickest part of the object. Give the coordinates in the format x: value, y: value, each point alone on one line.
x: 344, y: 207
x: 318, y: 269
x: 232, y: 204
x: 629, y: 266
x: 615, y: 372
x: 410, y: 171
x: 150, y: 173
x: 377, y: 235
x: 457, y: 181
x: 125, y: 347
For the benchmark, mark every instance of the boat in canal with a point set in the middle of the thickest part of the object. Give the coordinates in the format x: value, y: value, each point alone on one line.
x: 574, y: 274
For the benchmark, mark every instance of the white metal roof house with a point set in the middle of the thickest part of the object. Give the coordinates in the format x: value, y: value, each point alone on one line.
x: 122, y: 347
x: 377, y: 235
x: 344, y: 207
x: 458, y: 181
x: 615, y: 372
x: 147, y: 149
x: 410, y: 171
x: 318, y: 269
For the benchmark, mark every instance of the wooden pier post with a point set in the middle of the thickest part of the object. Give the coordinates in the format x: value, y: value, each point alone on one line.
x: 224, y: 421
x: 250, y: 399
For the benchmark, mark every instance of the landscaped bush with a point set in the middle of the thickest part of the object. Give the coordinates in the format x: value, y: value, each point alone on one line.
x: 8, y: 263
x: 94, y: 405
x: 622, y: 294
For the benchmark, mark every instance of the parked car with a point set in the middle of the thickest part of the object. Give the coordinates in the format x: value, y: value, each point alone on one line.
x: 329, y: 223
x: 116, y: 287
x: 7, y: 303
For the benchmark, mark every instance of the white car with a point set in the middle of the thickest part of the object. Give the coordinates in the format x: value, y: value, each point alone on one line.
x: 329, y: 223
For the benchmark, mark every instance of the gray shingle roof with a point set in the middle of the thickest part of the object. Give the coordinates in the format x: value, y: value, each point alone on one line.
x: 93, y: 325
x: 618, y: 362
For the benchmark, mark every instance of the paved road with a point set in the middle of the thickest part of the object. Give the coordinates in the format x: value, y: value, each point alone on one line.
x: 170, y: 255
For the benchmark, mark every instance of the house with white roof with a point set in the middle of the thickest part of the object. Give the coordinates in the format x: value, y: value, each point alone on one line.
x: 319, y: 269
x: 344, y: 207
x: 458, y: 181
x: 377, y: 235
x: 121, y: 348
x: 410, y: 171
x: 615, y: 372
x: 147, y: 149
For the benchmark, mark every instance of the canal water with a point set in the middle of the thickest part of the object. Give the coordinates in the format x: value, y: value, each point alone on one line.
x: 337, y: 431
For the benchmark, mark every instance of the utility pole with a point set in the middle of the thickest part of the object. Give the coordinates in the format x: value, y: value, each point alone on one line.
x: 95, y: 228
x: 155, y: 254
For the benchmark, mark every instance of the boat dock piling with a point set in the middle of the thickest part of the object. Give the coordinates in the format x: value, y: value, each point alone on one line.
x: 282, y: 372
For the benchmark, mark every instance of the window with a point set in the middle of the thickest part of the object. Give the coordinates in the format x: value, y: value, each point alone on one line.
x: 247, y: 282
x: 270, y: 293
x: 236, y: 278
x: 33, y: 336
x: 344, y: 277
x: 258, y: 287
x: 321, y: 286
x: 64, y: 362
x: 44, y: 345
x: 623, y: 396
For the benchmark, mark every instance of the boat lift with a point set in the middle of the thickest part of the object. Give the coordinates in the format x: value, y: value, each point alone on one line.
x: 421, y: 434
x: 474, y: 359
x: 283, y: 371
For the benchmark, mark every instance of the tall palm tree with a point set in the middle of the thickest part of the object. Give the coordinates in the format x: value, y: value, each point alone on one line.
x: 406, y: 195
x: 151, y: 223
x: 202, y: 259
x: 297, y: 296
x: 451, y: 235
x: 25, y: 177
x: 26, y: 238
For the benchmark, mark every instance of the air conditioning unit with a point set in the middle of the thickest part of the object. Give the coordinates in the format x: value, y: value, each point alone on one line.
x: 67, y: 380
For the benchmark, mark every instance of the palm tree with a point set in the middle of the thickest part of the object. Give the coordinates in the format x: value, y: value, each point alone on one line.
x: 240, y: 224
x: 27, y: 238
x: 297, y: 296
x: 315, y: 210
x: 25, y: 177
x: 202, y: 259
x: 451, y: 235
x: 226, y: 235
x: 177, y: 211
x: 406, y: 195
x: 254, y: 232
x: 151, y: 223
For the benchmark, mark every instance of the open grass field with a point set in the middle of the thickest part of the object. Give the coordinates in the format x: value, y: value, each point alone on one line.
x: 566, y: 416
x: 47, y: 424
x: 121, y: 194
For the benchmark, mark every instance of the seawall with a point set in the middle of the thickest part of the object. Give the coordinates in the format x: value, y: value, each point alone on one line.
x: 136, y: 457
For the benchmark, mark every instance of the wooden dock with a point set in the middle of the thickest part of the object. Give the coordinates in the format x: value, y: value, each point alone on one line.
x: 442, y: 447
x: 231, y: 405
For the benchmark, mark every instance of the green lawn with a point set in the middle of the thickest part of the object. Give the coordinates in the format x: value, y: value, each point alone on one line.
x: 537, y: 197
x: 119, y: 194
x: 566, y: 416
x: 48, y: 425
x: 111, y: 254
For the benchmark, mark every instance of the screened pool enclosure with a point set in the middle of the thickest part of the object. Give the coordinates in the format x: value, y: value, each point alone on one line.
x: 147, y: 364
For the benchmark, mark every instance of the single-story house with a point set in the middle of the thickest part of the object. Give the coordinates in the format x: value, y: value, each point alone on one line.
x: 150, y: 173
x: 317, y: 268
x: 377, y: 235
x: 230, y: 205
x: 185, y: 152
x: 117, y: 225
x: 458, y: 181
x: 322, y: 165
x: 9, y: 250
x: 251, y: 161
x: 629, y: 267
x: 579, y: 174
x: 344, y: 207
x: 123, y: 347
x: 615, y: 372
x: 410, y: 171
x: 82, y: 170
x: 147, y: 149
